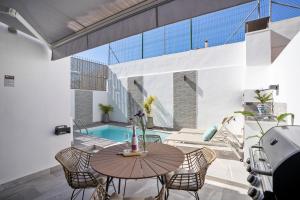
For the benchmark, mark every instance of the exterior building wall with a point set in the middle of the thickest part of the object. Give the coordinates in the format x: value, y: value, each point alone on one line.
x: 117, y: 96
x: 285, y: 72
x: 223, y: 73
x: 85, y: 105
x: 39, y: 101
x: 161, y: 86
x: 189, y: 106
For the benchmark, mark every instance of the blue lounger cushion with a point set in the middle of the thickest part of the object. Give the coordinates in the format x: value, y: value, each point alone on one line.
x: 209, y: 133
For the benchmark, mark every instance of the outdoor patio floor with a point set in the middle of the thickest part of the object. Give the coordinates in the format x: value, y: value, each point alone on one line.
x: 225, y: 181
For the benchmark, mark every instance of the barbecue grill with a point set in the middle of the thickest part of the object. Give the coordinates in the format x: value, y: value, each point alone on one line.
x: 274, y: 165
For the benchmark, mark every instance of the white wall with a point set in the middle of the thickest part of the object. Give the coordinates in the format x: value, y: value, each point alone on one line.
x: 98, y: 97
x: 219, y: 94
x: 219, y: 56
x: 272, y: 58
x: 262, y: 49
x: 161, y: 86
x: 29, y: 111
x: 258, y: 48
x: 258, y: 59
x: 221, y: 72
x: 286, y: 71
x: 117, y: 97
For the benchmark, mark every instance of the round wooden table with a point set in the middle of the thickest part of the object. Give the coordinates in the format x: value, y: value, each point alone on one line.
x: 160, y: 160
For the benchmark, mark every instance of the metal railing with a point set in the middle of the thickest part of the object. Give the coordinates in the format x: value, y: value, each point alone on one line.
x: 218, y: 28
x: 80, y: 125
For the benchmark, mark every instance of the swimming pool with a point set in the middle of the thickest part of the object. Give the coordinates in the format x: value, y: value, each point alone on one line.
x: 120, y: 134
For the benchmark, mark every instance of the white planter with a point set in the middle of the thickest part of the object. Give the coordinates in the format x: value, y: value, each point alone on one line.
x: 105, y: 118
x: 150, y: 122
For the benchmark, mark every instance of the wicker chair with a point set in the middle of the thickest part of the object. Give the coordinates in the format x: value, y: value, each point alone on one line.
x: 191, y: 176
x: 100, y: 194
x: 150, y: 138
x: 209, y: 155
x: 79, y: 175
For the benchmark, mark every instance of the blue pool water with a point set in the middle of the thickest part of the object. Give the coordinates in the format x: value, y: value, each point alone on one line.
x: 120, y: 134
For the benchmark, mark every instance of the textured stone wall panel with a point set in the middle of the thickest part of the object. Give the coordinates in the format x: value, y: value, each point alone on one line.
x: 135, y: 95
x: 185, y: 100
x: 84, y: 106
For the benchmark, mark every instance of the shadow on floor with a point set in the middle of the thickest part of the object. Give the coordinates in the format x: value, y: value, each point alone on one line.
x: 54, y: 186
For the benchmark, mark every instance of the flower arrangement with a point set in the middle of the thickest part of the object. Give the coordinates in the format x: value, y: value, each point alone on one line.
x: 148, y: 109
x: 141, y: 120
x: 148, y: 104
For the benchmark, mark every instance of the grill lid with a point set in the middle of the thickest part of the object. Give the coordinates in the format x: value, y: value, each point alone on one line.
x: 280, y: 143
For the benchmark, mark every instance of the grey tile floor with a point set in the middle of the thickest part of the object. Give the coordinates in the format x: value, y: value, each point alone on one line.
x: 226, y: 180
x: 54, y: 186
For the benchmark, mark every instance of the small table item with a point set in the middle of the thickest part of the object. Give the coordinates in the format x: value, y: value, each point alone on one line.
x: 130, y: 153
x: 160, y: 160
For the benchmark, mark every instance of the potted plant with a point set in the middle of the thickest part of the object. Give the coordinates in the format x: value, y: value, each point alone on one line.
x: 263, y: 99
x: 279, y: 118
x: 148, y: 109
x: 106, y: 109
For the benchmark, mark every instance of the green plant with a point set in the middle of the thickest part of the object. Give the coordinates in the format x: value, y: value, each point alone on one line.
x: 278, y: 118
x: 281, y: 118
x: 106, y: 108
x: 263, y: 98
x: 148, y: 104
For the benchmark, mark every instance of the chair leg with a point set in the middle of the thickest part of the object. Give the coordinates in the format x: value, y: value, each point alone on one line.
x: 167, y: 194
x: 114, y: 186
x: 73, y: 194
x: 197, y: 196
x: 83, y: 194
x: 157, y: 184
x: 124, y: 187
x: 119, y: 186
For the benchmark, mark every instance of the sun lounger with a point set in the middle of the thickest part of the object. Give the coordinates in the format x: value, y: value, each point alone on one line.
x: 222, y: 138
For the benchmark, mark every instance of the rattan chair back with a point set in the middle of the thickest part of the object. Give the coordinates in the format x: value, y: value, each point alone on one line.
x: 191, y: 176
x: 209, y: 155
x: 150, y: 138
x: 73, y: 159
x: 75, y: 164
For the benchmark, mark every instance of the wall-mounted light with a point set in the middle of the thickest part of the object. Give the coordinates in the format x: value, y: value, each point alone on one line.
x: 12, y: 30
x: 274, y: 87
x: 184, y: 78
x: 134, y: 82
